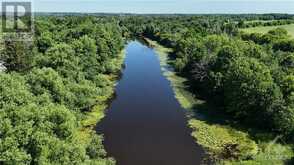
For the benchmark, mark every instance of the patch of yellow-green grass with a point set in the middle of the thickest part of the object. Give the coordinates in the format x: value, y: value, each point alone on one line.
x: 218, y: 138
x: 265, y: 29
x: 90, y: 120
x: 97, y: 113
x: 214, y: 137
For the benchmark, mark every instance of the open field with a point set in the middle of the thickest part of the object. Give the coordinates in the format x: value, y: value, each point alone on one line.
x: 263, y: 21
x: 265, y: 29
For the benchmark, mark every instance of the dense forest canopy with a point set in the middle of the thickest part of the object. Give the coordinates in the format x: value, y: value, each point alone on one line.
x: 51, y: 82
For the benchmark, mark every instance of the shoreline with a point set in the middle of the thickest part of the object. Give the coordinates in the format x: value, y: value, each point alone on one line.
x: 92, y: 118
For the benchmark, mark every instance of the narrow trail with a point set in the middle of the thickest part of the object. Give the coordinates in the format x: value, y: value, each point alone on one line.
x: 145, y: 124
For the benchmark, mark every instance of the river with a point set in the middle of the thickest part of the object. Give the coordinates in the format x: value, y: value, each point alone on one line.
x: 145, y: 124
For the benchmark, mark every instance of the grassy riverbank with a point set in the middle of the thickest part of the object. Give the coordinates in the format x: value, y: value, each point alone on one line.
x: 216, y: 133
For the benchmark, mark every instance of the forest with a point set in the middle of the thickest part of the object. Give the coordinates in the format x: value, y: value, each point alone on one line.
x: 50, y: 84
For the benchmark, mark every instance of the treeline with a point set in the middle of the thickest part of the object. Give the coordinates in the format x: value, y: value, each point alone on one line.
x: 254, y: 20
x: 48, y: 85
x: 250, y: 76
x: 170, y: 29
x: 264, y: 17
x: 255, y: 23
x: 213, y: 24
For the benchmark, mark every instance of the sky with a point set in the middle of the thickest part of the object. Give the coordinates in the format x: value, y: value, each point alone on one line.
x: 165, y: 6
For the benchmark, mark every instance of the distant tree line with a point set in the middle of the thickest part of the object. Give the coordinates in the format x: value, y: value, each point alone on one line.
x: 244, y: 24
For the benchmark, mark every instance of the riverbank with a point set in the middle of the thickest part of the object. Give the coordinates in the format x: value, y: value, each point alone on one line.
x: 226, y: 142
x: 97, y: 113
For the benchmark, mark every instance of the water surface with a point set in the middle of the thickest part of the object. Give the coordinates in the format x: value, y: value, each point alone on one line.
x: 145, y: 124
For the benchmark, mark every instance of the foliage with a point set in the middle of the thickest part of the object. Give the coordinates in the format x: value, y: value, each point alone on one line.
x: 49, y: 85
x: 52, y: 83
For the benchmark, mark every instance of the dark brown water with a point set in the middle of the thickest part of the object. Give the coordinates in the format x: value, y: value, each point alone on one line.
x: 145, y: 124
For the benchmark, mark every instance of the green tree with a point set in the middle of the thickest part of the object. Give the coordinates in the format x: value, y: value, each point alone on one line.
x: 18, y: 55
x: 61, y: 58
x: 249, y: 89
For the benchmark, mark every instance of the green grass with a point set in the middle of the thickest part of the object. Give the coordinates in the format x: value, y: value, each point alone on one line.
x: 212, y: 131
x: 265, y: 29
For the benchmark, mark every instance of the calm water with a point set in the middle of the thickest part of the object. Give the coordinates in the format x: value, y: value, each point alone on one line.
x: 145, y: 125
